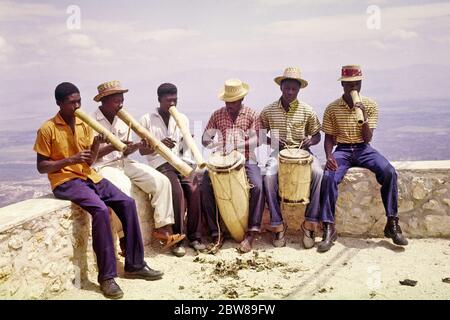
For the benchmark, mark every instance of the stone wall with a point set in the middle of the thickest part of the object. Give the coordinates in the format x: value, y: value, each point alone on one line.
x: 45, y: 244
x: 46, y: 247
x: 424, y: 202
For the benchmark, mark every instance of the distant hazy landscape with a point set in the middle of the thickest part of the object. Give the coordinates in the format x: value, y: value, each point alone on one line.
x: 408, y: 130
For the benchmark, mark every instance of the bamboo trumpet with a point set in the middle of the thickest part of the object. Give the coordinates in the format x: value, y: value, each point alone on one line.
x: 110, y: 137
x: 188, y: 138
x: 359, y: 113
x: 159, y: 147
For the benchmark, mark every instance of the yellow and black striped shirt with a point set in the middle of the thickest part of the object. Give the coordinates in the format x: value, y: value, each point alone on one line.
x: 340, y: 121
x: 295, y: 125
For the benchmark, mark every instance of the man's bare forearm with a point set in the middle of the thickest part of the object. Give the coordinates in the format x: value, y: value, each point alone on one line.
x: 328, y: 145
x: 50, y: 166
x: 103, y: 151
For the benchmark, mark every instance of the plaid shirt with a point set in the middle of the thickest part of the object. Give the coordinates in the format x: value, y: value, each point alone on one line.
x: 237, y: 132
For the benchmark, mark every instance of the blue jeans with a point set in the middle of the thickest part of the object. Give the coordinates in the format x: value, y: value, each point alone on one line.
x: 312, y: 212
x: 358, y: 155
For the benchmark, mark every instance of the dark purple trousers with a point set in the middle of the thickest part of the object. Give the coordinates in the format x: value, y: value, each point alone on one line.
x: 95, y: 198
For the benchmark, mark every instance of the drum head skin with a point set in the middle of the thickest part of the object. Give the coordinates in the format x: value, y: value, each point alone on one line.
x: 219, y: 162
x: 294, y: 153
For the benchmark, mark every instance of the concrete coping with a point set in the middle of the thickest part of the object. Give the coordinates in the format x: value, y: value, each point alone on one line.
x: 24, y: 211
x: 21, y: 212
x: 422, y: 165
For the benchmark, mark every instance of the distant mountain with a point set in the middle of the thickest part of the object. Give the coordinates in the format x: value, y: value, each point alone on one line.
x: 198, y: 90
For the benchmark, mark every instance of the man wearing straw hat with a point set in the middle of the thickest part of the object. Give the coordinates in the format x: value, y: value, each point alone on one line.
x: 66, y: 149
x: 354, y: 150
x: 185, y: 190
x: 237, y: 127
x: 122, y: 171
x: 291, y: 122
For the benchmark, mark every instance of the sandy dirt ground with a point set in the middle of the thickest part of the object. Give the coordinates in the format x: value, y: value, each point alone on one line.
x: 353, y: 269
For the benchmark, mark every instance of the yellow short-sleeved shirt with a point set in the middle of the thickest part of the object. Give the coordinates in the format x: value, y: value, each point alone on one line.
x: 340, y: 121
x: 295, y: 125
x: 56, y: 141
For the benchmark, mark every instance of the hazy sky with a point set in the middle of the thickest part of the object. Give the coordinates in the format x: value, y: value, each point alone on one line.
x: 198, y: 44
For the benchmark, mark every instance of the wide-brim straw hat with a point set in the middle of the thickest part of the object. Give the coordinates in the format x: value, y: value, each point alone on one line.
x: 233, y: 90
x: 109, y: 88
x: 351, y: 73
x: 292, y: 73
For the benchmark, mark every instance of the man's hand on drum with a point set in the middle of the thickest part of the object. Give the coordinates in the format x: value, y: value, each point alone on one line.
x: 331, y: 164
x: 306, y: 143
x: 282, y: 143
x: 228, y: 148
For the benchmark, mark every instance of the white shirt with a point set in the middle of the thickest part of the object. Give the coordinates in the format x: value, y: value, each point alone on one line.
x: 155, y: 124
x: 118, y: 128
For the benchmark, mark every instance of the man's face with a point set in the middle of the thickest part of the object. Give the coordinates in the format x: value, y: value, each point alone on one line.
x: 289, y: 90
x: 351, y: 85
x: 69, y: 104
x: 234, y: 106
x: 113, y: 103
x: 168, y: 100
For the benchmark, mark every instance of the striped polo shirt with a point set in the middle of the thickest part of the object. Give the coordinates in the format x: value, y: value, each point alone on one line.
x: 299, y: 122
x: 340, y: 121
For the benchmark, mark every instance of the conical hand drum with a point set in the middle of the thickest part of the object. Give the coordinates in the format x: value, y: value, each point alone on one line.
x: 231, y: 190
x: 294, y: 175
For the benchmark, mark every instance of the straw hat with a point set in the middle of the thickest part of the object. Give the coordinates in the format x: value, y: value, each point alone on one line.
x: 109, y: 88
x: 351, y: 73
x: 292, y: 73
x: 233, y: 90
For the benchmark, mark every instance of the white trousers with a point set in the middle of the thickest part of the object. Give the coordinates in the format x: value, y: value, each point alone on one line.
x: 122, y: 173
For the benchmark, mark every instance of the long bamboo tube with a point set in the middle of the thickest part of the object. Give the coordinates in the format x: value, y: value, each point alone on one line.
x: 110, y: 137
x: 159, y: 147
x: 356, y: 99
x: 188, y: 138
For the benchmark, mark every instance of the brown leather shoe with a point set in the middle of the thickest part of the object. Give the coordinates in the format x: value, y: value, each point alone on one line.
x: 145, y: 273
x: 308, y: 238
x: 328, y: 238
x: 111, y: 289
x: 279, y: 239
x: 392, y: 230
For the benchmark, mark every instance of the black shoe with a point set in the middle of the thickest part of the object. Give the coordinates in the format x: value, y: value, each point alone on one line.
x: 329, y: 236
x: 145, y: 273
x: 111, y: 289
x: 392, y: 230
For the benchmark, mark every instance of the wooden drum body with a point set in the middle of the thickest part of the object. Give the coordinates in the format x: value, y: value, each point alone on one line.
x: 294, y: 175
x: 231, y: 190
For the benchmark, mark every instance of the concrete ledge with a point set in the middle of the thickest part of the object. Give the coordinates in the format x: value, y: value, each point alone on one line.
x: 45, y: 243
x: 424, y: 202
x: 21, y: 212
